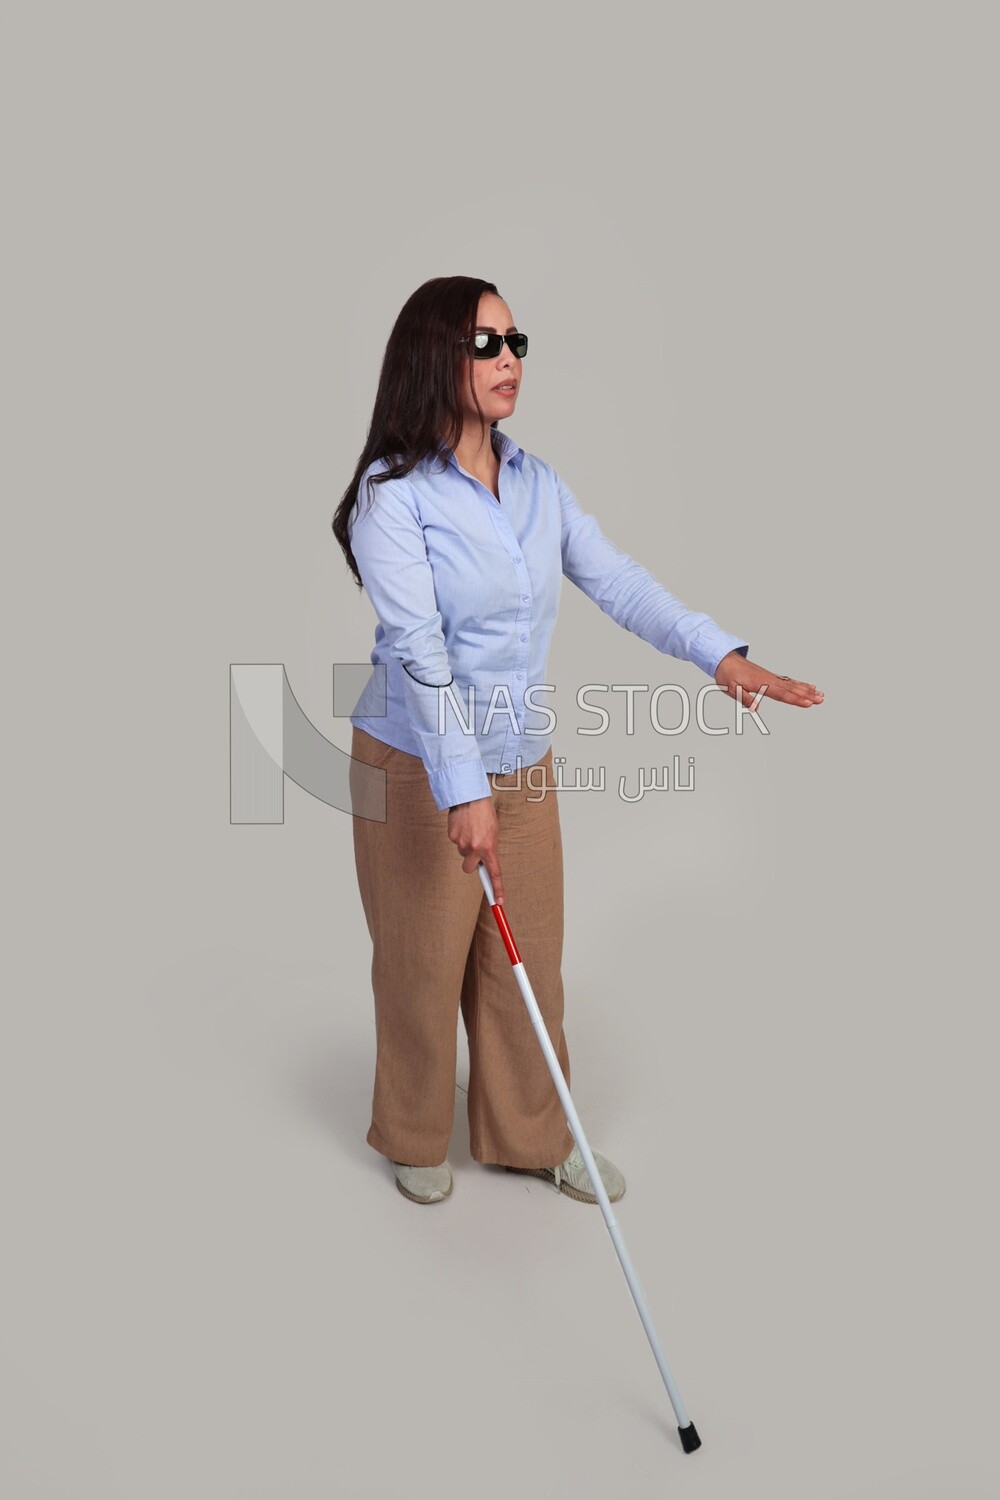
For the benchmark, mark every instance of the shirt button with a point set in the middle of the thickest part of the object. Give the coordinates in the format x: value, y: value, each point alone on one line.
x: 518, y: 674
x: 505, y: 766
x: 524, y: 598
x: 524, y: 637
x: 518, y: 558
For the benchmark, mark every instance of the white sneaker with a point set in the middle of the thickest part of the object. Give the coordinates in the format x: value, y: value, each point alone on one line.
x: 424, y: 1184
x: 572, y: 1178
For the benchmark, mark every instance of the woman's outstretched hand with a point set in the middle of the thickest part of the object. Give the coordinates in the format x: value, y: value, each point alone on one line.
x: 475, y: 829
x: 735, y: 671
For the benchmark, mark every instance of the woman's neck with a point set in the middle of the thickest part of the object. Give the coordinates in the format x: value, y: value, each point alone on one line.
x: 476, y: 453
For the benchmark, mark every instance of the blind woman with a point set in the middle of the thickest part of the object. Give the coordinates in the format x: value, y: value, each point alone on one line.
x: 461, y: 540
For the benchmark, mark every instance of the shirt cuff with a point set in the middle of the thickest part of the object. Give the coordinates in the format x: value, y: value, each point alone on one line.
x: 464, y: 782
x: 710, y: 644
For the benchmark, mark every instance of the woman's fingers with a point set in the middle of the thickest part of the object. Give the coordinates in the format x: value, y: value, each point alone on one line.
x: 493, y: 871
x: 488, y: 858
x: 475, y: 829
x: 790, y: 690
x: 737, y: 675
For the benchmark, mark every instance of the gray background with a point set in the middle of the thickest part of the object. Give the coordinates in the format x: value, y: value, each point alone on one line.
x: 755, y: 249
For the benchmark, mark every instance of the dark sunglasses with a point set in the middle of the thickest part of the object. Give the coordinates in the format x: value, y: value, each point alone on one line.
x: 488, y: 345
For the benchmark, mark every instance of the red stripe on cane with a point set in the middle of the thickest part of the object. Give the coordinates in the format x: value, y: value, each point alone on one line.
x: 506, y: 934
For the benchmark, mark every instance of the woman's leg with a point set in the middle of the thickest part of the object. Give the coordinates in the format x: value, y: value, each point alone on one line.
x: 421, y: 910
x: 516, y: 1117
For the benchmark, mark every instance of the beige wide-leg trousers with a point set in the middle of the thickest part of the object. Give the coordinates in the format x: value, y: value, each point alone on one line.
x: 437, y: 951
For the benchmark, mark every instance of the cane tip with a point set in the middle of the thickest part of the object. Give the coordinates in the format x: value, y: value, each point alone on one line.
x: 689, y: 1438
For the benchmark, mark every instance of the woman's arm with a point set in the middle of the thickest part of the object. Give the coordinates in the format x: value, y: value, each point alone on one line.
x: 388, y: 544
x: 638, y: 602
x: 633, y: 597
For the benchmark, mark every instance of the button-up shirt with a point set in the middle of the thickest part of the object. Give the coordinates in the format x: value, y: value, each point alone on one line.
x: 466, y: 589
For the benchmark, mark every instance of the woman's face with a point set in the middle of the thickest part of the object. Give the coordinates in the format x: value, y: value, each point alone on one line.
x: 490, y: 377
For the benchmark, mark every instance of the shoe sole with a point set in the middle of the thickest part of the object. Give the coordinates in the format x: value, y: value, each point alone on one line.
x: 416, y: 1198
x: 564, y: 1187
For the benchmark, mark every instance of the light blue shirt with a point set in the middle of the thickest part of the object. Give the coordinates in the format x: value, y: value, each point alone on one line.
x: 466, y: 590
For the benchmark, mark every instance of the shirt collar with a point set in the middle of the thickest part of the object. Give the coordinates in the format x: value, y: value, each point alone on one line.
x: 509, y: 451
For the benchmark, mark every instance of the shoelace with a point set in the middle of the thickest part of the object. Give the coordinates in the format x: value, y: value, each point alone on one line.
x: 574, y: 1159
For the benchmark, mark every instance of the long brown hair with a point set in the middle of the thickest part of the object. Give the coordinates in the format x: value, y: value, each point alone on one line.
x: 417, y: 404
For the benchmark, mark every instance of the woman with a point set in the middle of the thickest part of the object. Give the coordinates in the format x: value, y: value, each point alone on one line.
x: 461, y: 540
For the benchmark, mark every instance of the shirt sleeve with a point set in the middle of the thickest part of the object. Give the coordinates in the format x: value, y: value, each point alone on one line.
x: 633, y: 597
x: 388, y: 544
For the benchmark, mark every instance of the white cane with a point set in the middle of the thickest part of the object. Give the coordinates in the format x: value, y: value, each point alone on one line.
x: 689, y: 1436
